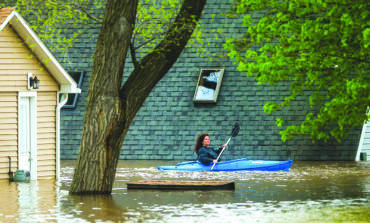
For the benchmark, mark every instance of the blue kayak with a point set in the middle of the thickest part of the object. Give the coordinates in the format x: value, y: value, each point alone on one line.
x: 232, y: 165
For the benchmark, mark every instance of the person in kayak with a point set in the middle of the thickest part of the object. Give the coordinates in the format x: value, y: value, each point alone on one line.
x: 206, y: 154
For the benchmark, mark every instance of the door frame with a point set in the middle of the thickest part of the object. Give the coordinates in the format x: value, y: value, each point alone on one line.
x: 33, y: 130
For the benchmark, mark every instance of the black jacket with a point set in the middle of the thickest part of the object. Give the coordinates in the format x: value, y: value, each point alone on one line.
x: 207, y: 155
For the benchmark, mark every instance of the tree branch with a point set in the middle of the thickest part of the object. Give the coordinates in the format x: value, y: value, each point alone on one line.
x: 155, y: 65
x: 89, y: 15
x: 133, y: 55
x: 79, y: 10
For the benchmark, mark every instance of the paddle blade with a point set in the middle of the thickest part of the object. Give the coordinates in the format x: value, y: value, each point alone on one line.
x: 235, y: 130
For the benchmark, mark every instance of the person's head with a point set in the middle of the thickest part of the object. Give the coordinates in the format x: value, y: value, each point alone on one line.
x: 202, y: 140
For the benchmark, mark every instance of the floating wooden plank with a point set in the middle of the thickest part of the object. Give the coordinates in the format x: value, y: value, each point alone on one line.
x: 181, y: 185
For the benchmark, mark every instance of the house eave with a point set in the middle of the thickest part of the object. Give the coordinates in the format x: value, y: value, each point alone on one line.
x: 68, y: 85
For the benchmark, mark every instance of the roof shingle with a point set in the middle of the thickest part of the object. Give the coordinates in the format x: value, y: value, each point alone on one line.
x: 4, y: 13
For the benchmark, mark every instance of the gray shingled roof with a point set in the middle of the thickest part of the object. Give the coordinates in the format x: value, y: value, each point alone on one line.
x: 167, y: 124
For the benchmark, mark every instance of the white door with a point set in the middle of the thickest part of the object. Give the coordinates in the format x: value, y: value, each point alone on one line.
x: 24, y: 156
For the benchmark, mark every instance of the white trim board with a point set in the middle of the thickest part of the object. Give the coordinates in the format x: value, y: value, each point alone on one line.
x: 33, y: 129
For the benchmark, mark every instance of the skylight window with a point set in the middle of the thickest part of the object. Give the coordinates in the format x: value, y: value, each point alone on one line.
x: 208, y: 86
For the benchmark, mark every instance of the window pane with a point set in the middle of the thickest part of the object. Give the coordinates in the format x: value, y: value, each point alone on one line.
x: 209, y: 83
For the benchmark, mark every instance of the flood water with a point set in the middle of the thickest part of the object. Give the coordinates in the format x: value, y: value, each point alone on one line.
x: 309, y: 192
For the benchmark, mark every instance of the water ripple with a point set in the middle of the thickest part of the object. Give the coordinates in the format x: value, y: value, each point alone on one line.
x: 310, y: 192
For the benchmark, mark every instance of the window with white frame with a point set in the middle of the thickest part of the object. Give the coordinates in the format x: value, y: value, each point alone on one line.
x: 208, y: 87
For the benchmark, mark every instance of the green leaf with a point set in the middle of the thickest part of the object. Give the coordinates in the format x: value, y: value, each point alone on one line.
x: 279, y: 122
x: 319, y: 48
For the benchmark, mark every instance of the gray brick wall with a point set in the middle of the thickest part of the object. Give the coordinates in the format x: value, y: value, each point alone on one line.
x: 167, y: 124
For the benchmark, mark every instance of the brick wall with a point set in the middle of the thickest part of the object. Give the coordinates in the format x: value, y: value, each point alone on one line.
x: 167, y: 124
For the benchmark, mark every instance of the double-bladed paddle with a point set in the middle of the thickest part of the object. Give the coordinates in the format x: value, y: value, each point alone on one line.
x: 234, y: 132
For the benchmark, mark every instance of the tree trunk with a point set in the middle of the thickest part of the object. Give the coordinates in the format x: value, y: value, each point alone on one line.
x: 110, y: 109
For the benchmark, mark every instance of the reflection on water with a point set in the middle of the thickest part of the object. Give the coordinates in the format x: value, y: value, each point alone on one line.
x: 310, y: 192
x: 19, y: 201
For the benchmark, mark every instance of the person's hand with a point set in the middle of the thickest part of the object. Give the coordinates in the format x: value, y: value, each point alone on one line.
x: 214, y: 161
x: 224, y: 145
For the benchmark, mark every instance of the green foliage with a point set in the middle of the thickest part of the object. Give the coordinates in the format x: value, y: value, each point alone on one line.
x: 320, y: 47
x: 61, y: 22
x: 154, y: 18
x: 53, y: 20
x: 153, y: 21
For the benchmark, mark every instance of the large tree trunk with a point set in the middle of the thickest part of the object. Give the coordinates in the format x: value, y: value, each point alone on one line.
x: 110, y: 109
